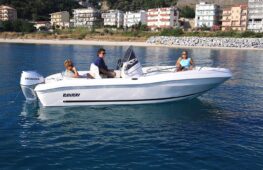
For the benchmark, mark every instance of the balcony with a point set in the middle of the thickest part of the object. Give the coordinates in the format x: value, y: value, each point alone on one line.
x: 152, y: 20
x: 153, y: 10
x: 226, y: 14
x: 164, y: 20
x: 153, y: 15
x: 165, y: 14
x: 226, y: 24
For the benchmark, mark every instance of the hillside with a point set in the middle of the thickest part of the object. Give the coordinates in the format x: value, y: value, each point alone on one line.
x: 39, y: 9
x: 146, y: 4
x: 223, y: 3
x: 127, y: 5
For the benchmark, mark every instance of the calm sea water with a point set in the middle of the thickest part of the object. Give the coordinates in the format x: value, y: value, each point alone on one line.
x: 223, y: 129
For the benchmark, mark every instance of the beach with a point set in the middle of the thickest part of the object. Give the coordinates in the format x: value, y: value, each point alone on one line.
x: 108, y: 43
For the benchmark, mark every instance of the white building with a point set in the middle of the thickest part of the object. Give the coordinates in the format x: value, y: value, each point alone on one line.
x: 7, y: 13
x: 163, y: 18
x: 39, y: 25
x: 206, y: 15
x: 134, y: 18
x: 113, y: 18
x: 255, y: 15
x: 86, y: 17
x: 60, y: 19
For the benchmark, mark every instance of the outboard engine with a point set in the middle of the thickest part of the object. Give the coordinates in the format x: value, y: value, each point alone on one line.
x: 28, y: 81
x: 130, y: 65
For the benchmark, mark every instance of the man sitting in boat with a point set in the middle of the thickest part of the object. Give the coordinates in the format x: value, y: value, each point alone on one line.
x: 184, y: 62
x: 71, y: 71
x: 103, y: 69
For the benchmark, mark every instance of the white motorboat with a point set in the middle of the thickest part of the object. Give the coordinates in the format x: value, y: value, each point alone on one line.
x: 133, y: 85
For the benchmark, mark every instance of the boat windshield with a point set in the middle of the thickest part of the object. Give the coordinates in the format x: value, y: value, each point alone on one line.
x: 128, y: 56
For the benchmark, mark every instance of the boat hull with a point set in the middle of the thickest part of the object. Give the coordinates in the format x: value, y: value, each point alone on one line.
x: 121, y: 94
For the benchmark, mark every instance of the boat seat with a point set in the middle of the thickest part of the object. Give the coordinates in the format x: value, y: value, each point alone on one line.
x: 94, y: 71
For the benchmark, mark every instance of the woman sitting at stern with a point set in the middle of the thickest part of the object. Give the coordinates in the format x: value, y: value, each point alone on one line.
x: 184, y: 62
x: 71, y: 71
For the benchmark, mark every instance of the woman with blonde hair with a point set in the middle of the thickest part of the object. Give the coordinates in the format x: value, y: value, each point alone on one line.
x: 71, y: 71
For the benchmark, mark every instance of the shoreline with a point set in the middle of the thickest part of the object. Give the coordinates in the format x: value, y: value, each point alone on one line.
x: 109, y: 43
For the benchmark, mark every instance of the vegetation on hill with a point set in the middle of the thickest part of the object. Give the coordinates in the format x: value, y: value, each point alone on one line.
x: 17, y: 26
x: 39, y: 9
x: 139, y: 4
x: 187, y: 12
x: 222, y: 3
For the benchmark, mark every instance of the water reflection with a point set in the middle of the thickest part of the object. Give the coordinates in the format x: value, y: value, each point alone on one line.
x: 174, y: 110
x: 110, y: 130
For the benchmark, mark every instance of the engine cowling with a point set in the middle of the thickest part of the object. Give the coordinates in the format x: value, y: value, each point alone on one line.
x: 28, y: 81
x: 131, y: 69
x: 130, y: 65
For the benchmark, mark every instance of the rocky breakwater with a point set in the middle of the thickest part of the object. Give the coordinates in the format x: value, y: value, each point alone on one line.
x: 207, y: 42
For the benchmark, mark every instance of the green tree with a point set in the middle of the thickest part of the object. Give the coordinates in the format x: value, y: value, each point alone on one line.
x: 172, y: 32
x: 187, y: 12
x: 128, y: 5
x: 204, y: 28
x: 7, y: 26
x: 18, y: 26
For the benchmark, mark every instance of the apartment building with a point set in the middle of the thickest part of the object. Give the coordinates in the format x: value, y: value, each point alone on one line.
x: 162, y: 18
x: 113, y: 18
x: 134, y: 18
x: 7, y: 13
x: 86, y: 17
x: 206, y: 15
x: 255, y: 15
x: 60, y: 19
x: 235, y: 18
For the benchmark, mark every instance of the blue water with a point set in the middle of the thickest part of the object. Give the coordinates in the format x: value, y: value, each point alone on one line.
x: 223, y: 129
